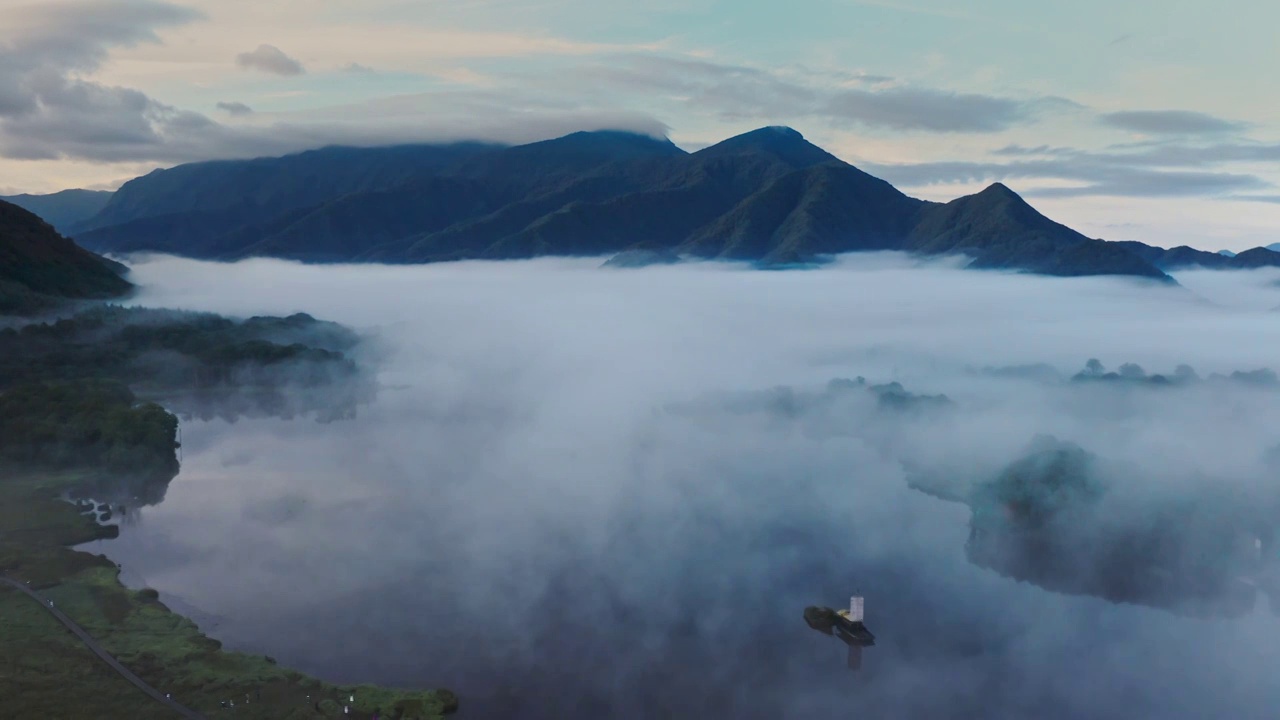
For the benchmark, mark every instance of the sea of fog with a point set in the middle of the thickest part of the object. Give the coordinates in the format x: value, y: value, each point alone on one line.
x: 521, y: 517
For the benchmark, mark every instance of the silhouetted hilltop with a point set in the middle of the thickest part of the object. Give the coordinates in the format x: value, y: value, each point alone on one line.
x: 785, y: 144
x: 1257, y: 257
x: 767, y: 196
x: 39, y: 267
x: 1184, y: 257
x: 997, y: 212
x: 1000, y: 230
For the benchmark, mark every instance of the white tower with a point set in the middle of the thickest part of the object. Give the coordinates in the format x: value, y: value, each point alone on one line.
x: 855, y: 608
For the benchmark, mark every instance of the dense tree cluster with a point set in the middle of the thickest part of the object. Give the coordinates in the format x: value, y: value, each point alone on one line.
x: 1095, y: 371
x: 1053, y: 479
x: 67, y: 387
x: 94, y: 424
x: 176, y: 350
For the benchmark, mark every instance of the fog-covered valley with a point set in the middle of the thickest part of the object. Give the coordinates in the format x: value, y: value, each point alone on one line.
x: 584, y: 492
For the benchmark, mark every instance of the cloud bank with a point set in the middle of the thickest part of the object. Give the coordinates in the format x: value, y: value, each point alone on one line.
x: 560, y: 507
x: 49, y: 111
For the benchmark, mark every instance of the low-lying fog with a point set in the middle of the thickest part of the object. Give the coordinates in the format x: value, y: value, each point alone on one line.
x: 521, y: 516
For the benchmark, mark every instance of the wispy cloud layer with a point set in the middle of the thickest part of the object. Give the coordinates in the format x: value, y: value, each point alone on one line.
x: 1094, y: 179
x: 235, y: 109
x: 744, y: 92
x: 1170, y: 122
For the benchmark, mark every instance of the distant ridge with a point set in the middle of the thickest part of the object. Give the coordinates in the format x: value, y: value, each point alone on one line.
x: 768, y: 196
x: 1187, y: 257
x: 63, y: 210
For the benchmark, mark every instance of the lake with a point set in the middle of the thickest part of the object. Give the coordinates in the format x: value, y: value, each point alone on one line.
x: 522, y: 517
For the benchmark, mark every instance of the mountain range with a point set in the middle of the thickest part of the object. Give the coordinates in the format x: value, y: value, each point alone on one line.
x: 769, y: 197
x: 40, y: 268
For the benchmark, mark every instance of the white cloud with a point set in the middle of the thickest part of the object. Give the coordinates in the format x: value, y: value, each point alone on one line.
x: 270, y: 59
x: 235, y: 109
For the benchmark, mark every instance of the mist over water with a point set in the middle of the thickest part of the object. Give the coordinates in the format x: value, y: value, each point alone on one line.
x: 556, y: 508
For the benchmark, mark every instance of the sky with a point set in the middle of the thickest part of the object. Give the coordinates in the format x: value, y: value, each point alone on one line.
x: 1150, y: 120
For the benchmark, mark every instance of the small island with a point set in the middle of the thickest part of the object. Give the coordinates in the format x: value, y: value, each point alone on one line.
x: 1066, y: 520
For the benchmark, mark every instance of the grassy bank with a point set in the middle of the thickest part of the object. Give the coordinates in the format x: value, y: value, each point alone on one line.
x: 45, y: 671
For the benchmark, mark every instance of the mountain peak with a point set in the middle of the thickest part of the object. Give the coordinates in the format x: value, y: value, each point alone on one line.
x: 1000, y: 190
x: 781, y: 130
x: 1257, y: 257
x: 779, y: 141
x: 998, y: 198
x: 622, y: 142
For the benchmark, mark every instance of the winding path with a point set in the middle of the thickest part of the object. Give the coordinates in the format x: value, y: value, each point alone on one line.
x: 106, y: 657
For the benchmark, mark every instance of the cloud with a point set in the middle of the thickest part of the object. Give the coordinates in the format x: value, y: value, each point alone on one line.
x: 52, y: 40
x: 75, y: 34
x: 1170, y: 122
x: 928, y: 110
x: 1095, y: 178
x: 656, y: 481
x: 740, y: 92
x: 1160, y: 184
x: 49, y: 112
x: 270, y: 59
x: 1156, y: 154
x: 1149, y: 169
x: 357, y: 69
x: 235, y: 109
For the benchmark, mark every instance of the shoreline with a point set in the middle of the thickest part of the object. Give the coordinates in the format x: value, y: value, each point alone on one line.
x: 38, y: 534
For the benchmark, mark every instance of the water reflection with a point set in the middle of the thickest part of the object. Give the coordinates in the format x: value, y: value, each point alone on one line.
x: 118, y: 497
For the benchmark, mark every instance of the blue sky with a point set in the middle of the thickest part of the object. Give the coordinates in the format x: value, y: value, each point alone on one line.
x: 1138, y: 120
